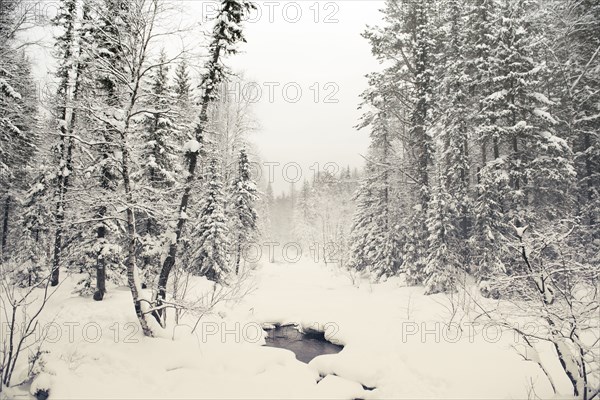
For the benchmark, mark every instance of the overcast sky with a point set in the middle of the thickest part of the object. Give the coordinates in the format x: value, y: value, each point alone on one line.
x: 324, y: 56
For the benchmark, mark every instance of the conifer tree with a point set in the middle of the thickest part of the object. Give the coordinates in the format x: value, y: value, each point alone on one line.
x: 304, y: 217
x: 158, y: 161
x: 449, y: 220
x: 243, y: 216
x: 157, y: 148
x: 443, y: 260
x: 182, y: 85
x: 210, y: 233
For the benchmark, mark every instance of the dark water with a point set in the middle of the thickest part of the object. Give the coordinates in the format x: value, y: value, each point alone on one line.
x: 305, y: 345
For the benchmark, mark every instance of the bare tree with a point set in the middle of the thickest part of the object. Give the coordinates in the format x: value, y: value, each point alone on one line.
x: 21, y: 310
x: 135, y: 46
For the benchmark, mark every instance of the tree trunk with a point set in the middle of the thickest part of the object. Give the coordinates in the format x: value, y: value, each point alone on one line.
x: 465, y: 175
x: 100, y: 260
x: 238, y: 256
x: 60, y: 206
x: 101, y: 233
x: 171, y: 256
x: 57, y: 252
x: 132, y: 276
x: 5, y: 218
x: 587, y: 143
x: 496, y: 149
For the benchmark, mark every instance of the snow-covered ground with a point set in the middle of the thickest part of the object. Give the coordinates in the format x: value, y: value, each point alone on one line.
x: 397, y: 345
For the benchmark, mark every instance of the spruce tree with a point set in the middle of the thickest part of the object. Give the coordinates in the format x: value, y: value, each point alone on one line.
x: 243, y: 216
x: 449, y: 220
x: 158, y: 160
x: 418, y: 27
x: 443, y: 260
x: 304, y: 217
x: 374, y: 241
x: 18, y: 135
x: 210, y: 234
x: 158, y: 152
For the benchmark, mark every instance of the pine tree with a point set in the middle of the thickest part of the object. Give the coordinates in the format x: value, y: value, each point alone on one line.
x: 158, y: 152
x: 405, y: 90
x: 404, y: 93
x: 304, y: 217
x: 17, y: 117
x: 18, y: 134
x: 374, y: 240
x: 361, y: 240
x: 530, y: 169
x: 480, y: 64
x: 182, y: 85
x: 158, y: 160
x: 443, y: 260
x: 210, y: 232
x: 243, y: 216
x: 449, y: 219
x: 539, y: 162
x: 490, y: 239
x: 456, y: 120
x: 183, y: 109
x: 420, y: 27
x: 36, y: 219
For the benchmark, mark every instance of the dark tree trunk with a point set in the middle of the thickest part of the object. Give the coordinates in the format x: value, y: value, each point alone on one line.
x: 172, y: 254
x: 57, y: 253
x: 589, y: 169
x: 101, y: 231
x: 100, y: 259
x: 238, y: 256
x: 60, y: 207
x: 465, y: 175
x: 496, y: 149
x: 6, y: 215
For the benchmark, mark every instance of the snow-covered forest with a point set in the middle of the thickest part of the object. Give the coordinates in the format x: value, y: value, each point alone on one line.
x: 146, y: 251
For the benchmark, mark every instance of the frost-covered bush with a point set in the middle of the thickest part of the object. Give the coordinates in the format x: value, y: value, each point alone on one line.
x: 21, y: 350
x: 557, y: 288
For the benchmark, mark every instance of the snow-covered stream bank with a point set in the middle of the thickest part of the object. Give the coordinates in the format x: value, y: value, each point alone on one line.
x: 396, y: 342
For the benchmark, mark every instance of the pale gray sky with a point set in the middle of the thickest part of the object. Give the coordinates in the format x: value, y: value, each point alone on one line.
x: 325, y: 48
